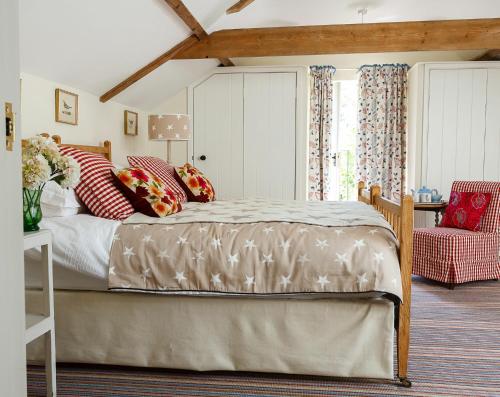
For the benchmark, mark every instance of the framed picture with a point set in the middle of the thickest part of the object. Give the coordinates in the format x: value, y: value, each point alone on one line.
x: 131, y: 123
x: 66, y: 107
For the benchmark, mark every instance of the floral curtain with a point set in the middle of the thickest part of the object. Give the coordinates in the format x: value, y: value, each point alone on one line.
x: 381, y: 138
x: 320, y: 131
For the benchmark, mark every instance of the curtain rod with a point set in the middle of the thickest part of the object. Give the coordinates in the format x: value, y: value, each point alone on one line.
x: 353, y: 69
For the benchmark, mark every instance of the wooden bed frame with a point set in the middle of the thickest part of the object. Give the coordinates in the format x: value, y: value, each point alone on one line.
x: 104, y: 150
x: 400, y: 217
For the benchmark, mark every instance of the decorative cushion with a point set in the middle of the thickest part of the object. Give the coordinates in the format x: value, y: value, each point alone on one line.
x: 148, y: 194
x: 195, y: 184
x: 96, y: 188
x: 465, y: 210
x: 163, y: 170
x: 491, y: 219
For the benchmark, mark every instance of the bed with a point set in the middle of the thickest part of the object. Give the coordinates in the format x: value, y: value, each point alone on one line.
x: 111, y: 309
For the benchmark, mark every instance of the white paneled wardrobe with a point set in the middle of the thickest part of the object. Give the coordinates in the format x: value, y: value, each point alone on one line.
x: 454, y: 123
x: 250, y: 131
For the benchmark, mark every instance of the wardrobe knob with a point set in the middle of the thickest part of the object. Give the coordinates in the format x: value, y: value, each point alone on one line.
x: 203, y: 157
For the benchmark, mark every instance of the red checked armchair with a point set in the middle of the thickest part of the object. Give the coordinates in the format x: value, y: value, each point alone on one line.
x: 455, y: 256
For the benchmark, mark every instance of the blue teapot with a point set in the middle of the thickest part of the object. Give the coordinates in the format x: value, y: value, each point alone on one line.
x: 436, y: 197
x: 425, y: 194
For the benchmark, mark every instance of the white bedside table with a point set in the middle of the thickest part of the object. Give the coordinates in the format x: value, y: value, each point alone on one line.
x: 38, y: 324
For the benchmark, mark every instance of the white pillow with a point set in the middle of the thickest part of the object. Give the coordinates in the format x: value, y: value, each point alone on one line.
x: 49, y: 211
x: 56, y: 201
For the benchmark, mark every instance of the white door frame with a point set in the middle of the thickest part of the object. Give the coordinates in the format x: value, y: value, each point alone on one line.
x: 301, y: 116
x: 12, y: 328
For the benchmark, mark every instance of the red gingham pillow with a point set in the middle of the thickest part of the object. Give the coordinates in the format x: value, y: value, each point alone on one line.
x: 96, y: 188
x: 162, y: 170
x: 466, y: 210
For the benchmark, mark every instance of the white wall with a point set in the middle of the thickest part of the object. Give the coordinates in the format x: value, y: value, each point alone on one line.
x: 354, y: 61
x: 176, y: 104
x: 348, y: 64
x: 96, y: 121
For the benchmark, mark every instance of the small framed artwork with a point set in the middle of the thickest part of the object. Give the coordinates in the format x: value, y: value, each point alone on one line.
x: 131, y: 123
x: 66, y: 107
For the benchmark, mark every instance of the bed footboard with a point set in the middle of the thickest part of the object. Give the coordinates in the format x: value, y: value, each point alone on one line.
x: 400, y: 216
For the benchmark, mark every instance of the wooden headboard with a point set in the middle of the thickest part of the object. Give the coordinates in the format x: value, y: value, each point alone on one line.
x: 105, y: 149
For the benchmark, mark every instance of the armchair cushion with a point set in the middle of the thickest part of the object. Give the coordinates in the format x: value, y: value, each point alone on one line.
x: 455, y: 255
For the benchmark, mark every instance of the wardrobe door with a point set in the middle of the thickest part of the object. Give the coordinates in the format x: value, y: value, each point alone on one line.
x: 492, y: 138
x: 456, y: 127
x: 218, y: 133
x: 270, y: 126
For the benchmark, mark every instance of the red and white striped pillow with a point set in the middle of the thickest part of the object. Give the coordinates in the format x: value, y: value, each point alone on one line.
x: 96, y: 188
x: 162, y: 170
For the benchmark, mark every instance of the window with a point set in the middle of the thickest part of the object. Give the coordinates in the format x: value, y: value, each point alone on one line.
x: 345, y: 119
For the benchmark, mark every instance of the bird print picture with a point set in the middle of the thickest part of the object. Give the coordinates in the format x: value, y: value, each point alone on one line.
x: 66, y: 107
x: 131, y: 123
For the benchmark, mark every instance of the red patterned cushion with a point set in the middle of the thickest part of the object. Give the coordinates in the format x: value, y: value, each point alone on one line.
x: 195, y: 184
x: 147, y: 192
x: 491, y: 219
x: 96, y: 188
x: 162, y: 170
x: 466, y: 210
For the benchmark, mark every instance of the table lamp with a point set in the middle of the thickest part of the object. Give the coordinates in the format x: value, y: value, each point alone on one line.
x: 169, y: 127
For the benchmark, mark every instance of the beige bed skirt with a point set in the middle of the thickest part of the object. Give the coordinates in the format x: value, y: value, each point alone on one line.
x: 331, y: 337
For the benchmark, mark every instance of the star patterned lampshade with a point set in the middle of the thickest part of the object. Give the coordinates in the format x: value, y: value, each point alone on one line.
x: 169, y: 127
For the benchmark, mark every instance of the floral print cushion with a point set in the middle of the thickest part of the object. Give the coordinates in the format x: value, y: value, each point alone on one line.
x: 195, y: 184
x: 147, y: 193
x: 466, y: 210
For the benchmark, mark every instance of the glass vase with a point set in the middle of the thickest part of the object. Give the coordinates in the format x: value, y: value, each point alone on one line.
x: 32, y: 212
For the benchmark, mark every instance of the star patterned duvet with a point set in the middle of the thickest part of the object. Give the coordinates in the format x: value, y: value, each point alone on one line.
x: 258, y: 248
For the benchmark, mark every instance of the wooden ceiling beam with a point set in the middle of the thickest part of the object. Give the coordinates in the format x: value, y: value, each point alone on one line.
x: 240, y: 5
x: 192, y: 23
x: 198, y: 34
x: 471, y: 34
x: 183, y: 13
x: 144, y: 71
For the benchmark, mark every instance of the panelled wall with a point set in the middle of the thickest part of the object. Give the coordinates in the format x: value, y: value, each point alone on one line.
x: 492, y: 134
x: 270, y: 134
x: 249, y: 132
x: 454, y: 124
x: 218, y: 132
x: 456, y: 127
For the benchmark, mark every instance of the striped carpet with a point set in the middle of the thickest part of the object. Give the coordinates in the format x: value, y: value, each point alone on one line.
x: 455, y: 352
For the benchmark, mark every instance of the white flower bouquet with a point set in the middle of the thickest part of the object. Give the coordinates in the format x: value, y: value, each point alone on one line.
x: 42, y: 162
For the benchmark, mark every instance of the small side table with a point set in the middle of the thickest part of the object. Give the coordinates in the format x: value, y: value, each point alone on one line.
x: 42, y: 324
x: 437, y: 208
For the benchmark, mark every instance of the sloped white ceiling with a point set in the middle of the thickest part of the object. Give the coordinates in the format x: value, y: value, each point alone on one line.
x: 165, y: 82
x: 95, y: 44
